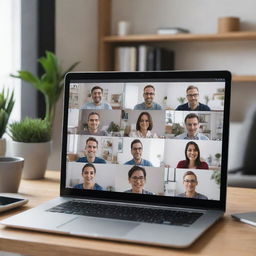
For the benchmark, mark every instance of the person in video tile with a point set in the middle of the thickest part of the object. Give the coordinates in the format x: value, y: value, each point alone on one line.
x: 137, y: 179
x: 97, y: 103
x: 148, y: 95
x: 190, y: 182
x: 192, y: 127
x: 193, y: 103
x: 93, y: 126
x: 136, y: 151
x: 88, y: 173
x: 144, y: 126
x: 192, y: 154
x: 91, y: 147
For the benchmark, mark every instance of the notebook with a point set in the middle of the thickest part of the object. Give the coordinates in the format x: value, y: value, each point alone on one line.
x: 144, y: 157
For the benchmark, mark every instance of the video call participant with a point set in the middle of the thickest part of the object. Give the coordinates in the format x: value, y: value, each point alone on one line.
x: 91, y: 147
x: 192, y: 127
x: 136, y: 151
x: 148, y: 104
x: 192, y: 154
x: 88, y: 174
x: 93, y: 126
x: 190, y: 182
x: 144, y: 126
x: 96, y: 103
x: 193, y: 103
x: 137, y: 179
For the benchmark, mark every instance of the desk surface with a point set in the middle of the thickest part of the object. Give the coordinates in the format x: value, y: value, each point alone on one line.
x: 227, y: 237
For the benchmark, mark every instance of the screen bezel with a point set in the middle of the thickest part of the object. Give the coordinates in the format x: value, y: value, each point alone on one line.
x: 154, y: 76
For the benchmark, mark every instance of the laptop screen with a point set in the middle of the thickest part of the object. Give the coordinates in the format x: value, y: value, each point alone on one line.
x: 146, y: 137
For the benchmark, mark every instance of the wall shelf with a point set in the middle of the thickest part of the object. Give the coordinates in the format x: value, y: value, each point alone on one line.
x: 246, y: 35
x: 108, y: 43
x: 247, y: 78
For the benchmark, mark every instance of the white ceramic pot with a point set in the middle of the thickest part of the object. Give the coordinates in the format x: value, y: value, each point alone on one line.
x: 2, y: 146
x: 10, y: 173
x: 35, y: 156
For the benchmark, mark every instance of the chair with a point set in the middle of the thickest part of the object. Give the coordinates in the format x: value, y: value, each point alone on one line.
x: 242, y: 152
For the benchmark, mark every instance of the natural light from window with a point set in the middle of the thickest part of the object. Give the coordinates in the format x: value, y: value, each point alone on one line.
x: 10, y: 50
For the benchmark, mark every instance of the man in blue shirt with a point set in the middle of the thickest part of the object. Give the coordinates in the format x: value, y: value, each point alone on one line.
x: 136, y: 151
x: 148, y: 104
x: 192, y: 127
x: 193, y: 103
x: 97, y: 103
x: 90, y: 152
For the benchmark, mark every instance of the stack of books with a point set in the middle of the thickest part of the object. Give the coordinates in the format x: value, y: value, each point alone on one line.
x: 143, y: 58
x: 171, y: 31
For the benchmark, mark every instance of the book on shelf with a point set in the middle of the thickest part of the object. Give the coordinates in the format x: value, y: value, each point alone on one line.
x: 125, y: 59
x: 172, y: 31
x: 143, y: 58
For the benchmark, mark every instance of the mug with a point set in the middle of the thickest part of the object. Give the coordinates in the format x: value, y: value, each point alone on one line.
x: 10, y: 173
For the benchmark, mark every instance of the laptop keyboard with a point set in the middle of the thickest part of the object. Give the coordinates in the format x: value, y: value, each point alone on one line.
x: 131, y: 213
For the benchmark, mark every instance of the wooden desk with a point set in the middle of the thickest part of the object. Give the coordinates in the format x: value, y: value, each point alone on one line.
x: 227, y: 237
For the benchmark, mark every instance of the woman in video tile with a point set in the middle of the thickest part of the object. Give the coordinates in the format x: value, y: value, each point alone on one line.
x: 88, y: 173
x: 144, y: 126
x: 192, y: 154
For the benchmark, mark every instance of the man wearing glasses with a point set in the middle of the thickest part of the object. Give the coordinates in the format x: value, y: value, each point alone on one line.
x: 148, y: 104
x: 136, y: 151
x: 193, y: 103
x: 190, y: 182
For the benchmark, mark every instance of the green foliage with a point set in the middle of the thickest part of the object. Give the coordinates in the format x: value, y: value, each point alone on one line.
x: 30, y: 130
x: 50, y: 84
x: 113, y: 127
x: 6, y: 106
x: 216, y: 176
x: 181, y: 100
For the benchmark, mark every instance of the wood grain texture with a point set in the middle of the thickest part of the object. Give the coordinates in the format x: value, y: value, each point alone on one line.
x: 227, y: 237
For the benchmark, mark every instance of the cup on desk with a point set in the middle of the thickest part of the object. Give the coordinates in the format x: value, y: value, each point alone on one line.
x: 10, y: 173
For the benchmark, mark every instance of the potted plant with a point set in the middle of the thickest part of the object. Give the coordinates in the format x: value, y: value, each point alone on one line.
x: 32, y: 141
x: 6, y: 106
x: 50, y: 84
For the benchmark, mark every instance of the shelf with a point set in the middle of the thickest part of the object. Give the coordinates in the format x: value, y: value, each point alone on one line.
x: 236, y: 78
x: 246, y: 35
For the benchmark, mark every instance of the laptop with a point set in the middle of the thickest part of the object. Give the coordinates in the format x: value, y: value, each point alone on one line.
x: 144, y: 158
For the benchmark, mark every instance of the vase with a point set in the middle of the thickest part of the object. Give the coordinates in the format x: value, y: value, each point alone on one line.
x: 35, y: 156
x: 2, y: 146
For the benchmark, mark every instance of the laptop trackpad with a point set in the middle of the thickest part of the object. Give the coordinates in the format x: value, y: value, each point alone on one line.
x: 98, y: 227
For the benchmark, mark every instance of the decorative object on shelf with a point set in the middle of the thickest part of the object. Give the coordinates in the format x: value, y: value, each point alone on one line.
x: 114, y: 129
x: 31, y: 140
x: 181, y: 100
x: 10, y: 174
x: 171, y: 31
x: 216, y: 176
x: 50, y: 84
x: 123, y: 28
x: 228, y: 24
x: 218, y: 157
x: 6, y: 106
x: 207, y: 99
